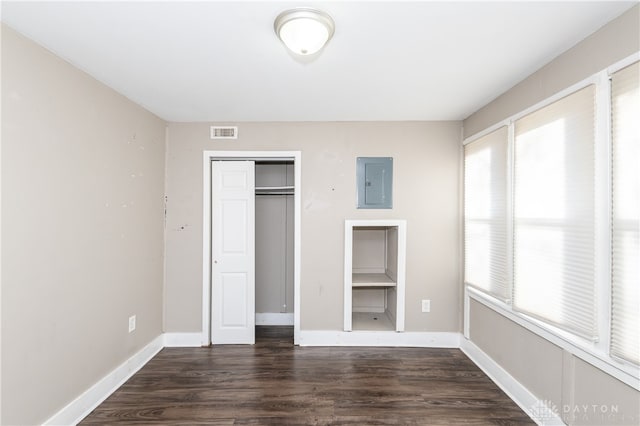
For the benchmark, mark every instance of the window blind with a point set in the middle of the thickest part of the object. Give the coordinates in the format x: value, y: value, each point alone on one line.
x: 554, y: 231
x: 625, y: 262
x: 485, y: 213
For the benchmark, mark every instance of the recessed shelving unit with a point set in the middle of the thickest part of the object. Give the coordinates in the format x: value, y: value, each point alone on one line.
x: 374, y: 279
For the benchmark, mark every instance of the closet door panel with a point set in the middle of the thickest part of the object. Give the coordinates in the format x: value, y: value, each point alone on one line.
x: 232, y: 247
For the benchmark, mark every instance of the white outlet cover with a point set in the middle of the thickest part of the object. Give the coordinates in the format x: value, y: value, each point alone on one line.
x: 426, y: 305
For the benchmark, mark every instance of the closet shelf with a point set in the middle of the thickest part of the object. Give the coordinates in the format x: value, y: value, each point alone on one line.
x: 275, y: 193
x: 371, y: 280
x: 274, y: 188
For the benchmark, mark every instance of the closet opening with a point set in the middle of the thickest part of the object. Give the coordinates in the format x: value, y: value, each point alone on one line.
x: 251, y: 246
x: 274, y: 231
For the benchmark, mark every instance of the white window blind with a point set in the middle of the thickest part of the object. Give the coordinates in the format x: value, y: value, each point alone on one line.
x: 554, y: 237
x: 485, y: 213
x: 625, y: 293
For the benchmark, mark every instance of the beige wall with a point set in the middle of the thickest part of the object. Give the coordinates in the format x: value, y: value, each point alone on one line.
x: 530, y: 359
x: 615, y: 41
x: 426, y: 172
x: 82, y: 222
x: 548, y: 371
x: 582, y: 393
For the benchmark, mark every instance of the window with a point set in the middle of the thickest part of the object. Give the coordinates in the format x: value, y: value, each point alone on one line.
x: 554, y: 229
x: 485, y: 237
x: 625, y: 238
x: 552, y: 220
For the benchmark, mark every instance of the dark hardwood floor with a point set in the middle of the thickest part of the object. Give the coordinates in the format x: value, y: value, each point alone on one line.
x: 275, y: 383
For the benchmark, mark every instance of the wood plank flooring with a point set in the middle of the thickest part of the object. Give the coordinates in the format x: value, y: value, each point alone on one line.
x: 276, y: 383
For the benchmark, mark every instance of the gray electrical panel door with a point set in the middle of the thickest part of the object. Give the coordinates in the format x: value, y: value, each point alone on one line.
x: 374, y: 182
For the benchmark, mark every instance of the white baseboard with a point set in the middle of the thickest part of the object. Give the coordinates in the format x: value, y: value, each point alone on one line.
x: 274, y: 319
x: 80, y: 407
x: 530, y: 404
x: 182, y: 340
x: 379, y: 338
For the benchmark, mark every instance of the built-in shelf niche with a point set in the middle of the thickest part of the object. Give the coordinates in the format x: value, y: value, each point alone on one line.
x: 374, y: 279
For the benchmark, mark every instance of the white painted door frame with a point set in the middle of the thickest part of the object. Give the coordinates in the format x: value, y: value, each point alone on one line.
x: 208, y: 157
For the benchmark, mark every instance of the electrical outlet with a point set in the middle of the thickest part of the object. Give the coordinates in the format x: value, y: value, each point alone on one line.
x: 132, y: 323
x: 426, y: 305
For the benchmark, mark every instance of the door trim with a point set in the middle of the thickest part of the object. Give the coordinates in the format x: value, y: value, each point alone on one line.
x: 208, y: 156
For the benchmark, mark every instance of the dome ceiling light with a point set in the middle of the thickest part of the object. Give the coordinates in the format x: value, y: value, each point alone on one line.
x: 303, y: 30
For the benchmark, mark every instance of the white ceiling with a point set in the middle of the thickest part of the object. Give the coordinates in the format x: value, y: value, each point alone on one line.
x: 221, y: 61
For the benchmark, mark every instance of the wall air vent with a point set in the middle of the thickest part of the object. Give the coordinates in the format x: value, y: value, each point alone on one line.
x: 224, y: 132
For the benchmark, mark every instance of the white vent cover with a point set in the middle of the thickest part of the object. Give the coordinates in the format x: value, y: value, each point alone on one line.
x: 224, y: 132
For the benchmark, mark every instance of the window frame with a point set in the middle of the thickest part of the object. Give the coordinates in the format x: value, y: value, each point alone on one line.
x: 610, y: 71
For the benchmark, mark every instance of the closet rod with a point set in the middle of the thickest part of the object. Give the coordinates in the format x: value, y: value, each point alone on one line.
x: 274, y: 188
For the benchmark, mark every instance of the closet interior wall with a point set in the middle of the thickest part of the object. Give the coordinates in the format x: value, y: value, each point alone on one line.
x: 274, y: 230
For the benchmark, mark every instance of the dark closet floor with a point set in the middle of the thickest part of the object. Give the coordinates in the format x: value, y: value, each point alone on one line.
x: 276, y: 383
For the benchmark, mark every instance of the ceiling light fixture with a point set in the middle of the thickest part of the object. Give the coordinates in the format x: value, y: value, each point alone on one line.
x: 304, y: 30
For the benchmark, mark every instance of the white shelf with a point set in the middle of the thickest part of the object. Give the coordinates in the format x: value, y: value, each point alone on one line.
x: 371, y: 280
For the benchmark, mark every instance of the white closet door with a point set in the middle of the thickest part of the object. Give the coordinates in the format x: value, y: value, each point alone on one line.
x: 233, y: 262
